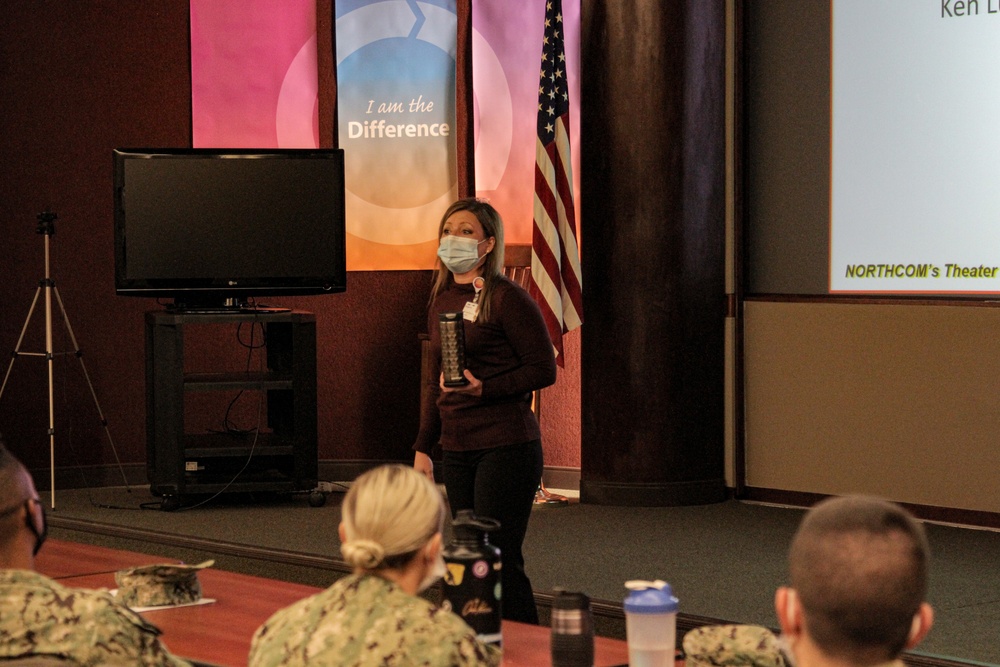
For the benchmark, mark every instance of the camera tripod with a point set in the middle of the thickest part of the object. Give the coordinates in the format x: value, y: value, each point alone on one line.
x: 46, y: 227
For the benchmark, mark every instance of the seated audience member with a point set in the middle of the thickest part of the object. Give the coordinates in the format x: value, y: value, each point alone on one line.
x: 858, y: 569
x: 390, y: 532
x: 40, y: 617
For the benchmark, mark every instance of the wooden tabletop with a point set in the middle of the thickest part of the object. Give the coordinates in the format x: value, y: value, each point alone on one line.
x: 59, y: 559
x: 220, y: 633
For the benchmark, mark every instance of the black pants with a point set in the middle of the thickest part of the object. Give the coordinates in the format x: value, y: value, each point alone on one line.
x: 500, y: 483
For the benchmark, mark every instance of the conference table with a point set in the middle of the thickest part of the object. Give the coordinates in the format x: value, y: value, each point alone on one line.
x: 219, y: 633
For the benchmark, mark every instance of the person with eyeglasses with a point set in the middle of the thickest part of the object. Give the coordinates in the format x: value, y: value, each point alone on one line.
x: 39, y: 616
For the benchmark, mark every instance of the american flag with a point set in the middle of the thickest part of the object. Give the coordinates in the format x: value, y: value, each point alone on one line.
x: 556, y: 279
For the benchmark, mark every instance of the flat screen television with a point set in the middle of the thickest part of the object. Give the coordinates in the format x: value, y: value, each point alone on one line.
x: 213, y: 229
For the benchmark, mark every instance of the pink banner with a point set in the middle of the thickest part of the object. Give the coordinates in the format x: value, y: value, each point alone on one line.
x: 506, y: 49
x: 254, y: 80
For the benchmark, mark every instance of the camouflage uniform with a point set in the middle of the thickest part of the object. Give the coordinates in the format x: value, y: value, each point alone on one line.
x: 362, y: 621
x: 159, y: 585
x: 740, y: 646
x: 39, y: 616
x: 732, y: 646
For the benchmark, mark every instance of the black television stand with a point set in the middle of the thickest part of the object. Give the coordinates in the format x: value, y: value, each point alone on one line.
x: 231, y: 307
x: 208, y: 303
x: 282, y: 457
x: 264, y: 309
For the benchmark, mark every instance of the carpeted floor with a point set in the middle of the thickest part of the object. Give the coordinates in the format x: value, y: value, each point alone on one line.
x: 724, y: 561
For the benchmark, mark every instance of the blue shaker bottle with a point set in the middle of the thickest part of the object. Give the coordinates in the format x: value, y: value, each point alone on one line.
x: 650, y: 623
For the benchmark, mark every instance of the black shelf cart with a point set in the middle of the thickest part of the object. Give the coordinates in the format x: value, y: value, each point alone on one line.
x: 280, y: 456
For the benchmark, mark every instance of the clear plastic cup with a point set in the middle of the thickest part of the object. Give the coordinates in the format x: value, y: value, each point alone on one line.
x: 650, y: 623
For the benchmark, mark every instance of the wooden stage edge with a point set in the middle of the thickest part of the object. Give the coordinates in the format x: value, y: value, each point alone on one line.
x: 601, y: 608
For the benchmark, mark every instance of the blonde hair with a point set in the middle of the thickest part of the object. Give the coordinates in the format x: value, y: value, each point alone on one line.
x: 492, y: 271
x: 389, y: 514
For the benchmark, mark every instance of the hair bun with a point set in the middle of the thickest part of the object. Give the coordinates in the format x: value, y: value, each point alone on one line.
x: 366, y: 554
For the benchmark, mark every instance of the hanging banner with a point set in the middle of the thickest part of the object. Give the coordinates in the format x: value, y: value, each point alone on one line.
x: 506, y: 47
x: 254, y: 81
x: 396, y: 124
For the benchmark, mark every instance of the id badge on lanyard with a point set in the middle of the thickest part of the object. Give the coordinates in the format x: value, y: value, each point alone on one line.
x: 471, y: 310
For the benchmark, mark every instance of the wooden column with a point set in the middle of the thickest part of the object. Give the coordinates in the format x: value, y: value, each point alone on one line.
x: 653, y: 252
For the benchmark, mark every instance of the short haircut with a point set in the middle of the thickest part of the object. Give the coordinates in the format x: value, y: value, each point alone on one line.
x: 14, y: 490
x: 389, y: 513
x: 859, y: 565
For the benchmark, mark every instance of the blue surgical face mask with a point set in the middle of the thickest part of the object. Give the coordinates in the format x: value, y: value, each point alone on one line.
x: 459, y: 254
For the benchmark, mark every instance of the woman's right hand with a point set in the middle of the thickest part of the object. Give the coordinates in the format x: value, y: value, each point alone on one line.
x: 423, y: 463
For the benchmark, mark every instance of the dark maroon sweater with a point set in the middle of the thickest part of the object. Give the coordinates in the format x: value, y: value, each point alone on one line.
x: 512, y: 356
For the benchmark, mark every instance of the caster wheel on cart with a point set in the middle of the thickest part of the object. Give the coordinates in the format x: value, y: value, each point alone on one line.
x: 170, y: 503
x: 317, y: 498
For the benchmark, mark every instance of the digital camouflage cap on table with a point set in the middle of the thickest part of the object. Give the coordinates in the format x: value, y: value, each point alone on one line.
x: 160, y: 585
x: 732, y: 646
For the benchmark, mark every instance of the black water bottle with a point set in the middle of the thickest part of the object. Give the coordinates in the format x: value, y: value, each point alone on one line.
x: 472, y: 581
x: 452, y: 325
x: 572, y: 630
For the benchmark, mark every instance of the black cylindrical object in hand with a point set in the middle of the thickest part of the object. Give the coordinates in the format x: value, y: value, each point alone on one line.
x: 452, y: 327
x: 572, y: 630
x: 472, y: 581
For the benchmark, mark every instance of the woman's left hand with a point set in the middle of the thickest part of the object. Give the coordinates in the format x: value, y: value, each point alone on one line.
x: 474, y: 388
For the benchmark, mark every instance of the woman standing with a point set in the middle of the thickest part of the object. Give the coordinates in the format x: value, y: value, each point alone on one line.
x: 491, y: 443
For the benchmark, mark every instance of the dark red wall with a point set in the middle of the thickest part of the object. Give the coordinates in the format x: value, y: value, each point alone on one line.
x: 81, y: 78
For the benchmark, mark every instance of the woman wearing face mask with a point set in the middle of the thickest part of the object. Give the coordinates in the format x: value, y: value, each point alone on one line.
x: 390, y: 534
x: 489, y: 436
